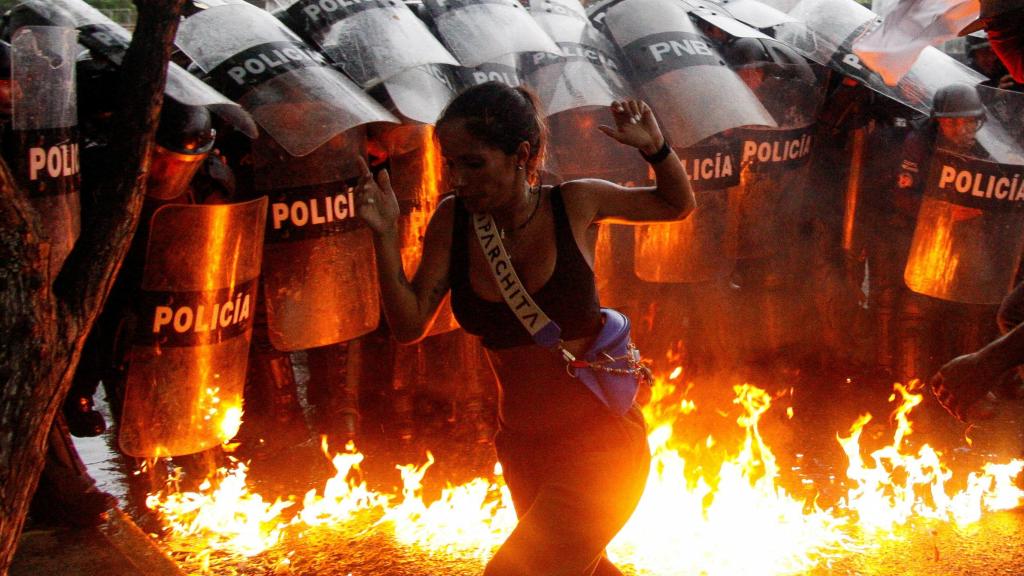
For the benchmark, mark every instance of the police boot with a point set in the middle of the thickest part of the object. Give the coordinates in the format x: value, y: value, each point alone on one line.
x: 83, y: 421
x: 475, y: 421
x: 333, y: 390
x: 408, y: 368
x: 884, y: 304
x: 66, y: 494
x: 913, y: 338
x: 273, y: 416
x: 403, y: 409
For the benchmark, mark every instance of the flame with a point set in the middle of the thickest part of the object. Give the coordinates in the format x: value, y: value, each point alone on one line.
x: 470, y: 520
x: 231, y: 421
x: 699, y: 518
x: 897, y: 486
x: 707, y: 508
x: 228, y: 517
x: 342, y: 497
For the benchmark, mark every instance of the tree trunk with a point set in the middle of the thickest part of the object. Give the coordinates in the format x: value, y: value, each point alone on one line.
x: 44, y: 329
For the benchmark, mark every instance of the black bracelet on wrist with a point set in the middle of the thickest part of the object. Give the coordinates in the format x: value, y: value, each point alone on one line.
x: 658, y: 156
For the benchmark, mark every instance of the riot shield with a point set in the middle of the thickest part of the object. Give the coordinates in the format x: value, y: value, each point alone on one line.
x: 825, y: 31
x: 478, y: 31
x: 187, y: 365
x: 104, y: 37
x: 756, y: 13
x: 764, y: 207
x: 421, y: 93
x: 694, y: 250
x: 369, y: 41
x: 378, y: 42
x: 714, y: 15
x: 679, y: 72
x: 43, y: 149
x: 574, y: 130
x: 319, y: 273
x: 287, y: 86
x: 504, y: 69
x: 970, y: 228
x: 587, y: 73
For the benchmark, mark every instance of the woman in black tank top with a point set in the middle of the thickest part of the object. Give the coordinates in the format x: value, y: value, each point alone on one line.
x: 575, y: 470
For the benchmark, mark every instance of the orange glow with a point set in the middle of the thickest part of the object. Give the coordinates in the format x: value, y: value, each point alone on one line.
x: 897, y: 486
x: 707, y: 508
x: 671, y: 252
x: 426, y: 198
x: 933, y: 260
x: 226, y: 517
x: 604, y: 262
x: 425, y: 186
x: 342, y: 497
x: 852, y: 189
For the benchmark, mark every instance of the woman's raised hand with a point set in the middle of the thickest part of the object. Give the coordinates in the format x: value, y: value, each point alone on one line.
x: 375, y: 201
x: 635, y: 126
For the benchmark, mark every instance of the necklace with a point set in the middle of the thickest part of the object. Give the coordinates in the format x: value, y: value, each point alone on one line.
x: 504, y: 233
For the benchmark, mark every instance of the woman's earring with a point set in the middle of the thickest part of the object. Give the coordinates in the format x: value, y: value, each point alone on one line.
x: 519, y: 167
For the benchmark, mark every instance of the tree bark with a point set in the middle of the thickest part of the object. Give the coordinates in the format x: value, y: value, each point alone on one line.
x: 44, y: 329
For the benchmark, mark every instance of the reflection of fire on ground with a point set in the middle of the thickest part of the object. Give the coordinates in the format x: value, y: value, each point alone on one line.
x: 711, y: 506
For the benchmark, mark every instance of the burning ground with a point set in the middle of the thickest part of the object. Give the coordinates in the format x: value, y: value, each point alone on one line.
x: 743, y: 481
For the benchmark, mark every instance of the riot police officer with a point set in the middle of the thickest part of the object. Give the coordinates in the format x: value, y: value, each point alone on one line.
x: 956, y: 116
x: 982, y: 58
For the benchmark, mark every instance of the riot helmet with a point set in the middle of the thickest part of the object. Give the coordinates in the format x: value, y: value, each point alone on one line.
x: 982, y: 58
x: 959, y: 113
x: 752, y: 58
x: 957, y: 101
x: 184, y: 138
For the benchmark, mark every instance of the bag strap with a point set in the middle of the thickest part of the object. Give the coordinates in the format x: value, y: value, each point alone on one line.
x: 545, y: 331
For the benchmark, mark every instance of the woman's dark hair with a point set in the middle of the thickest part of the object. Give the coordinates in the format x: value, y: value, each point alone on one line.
x: 503, y: 117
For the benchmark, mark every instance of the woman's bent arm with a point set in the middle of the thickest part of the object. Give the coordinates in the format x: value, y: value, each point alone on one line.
x: 670, y: 199
x: 410, y: 307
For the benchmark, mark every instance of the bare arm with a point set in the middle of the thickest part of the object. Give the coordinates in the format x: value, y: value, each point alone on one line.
x: 670, y: 199
x: 410, y: 307
x: 964, y: 380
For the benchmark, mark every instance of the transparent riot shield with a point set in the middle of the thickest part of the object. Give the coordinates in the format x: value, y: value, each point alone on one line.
x: 504, y: 69
x: 370, y: 41
x: 289, y: 89
x: 319, y: 272
x: 415, y: 169
x: 587, y: 73
x: 576, y: 130
x: 421, y: 93
x: 43, y: 149
x: 680, y: 73
x: 825, y: 30
x: 970, y: 228
x: 187, y: 365
x: 775, y: 162
x: 479, y: 31
x: 378, y: 42
x: 714, y: 15
x: 756, y: 13
x: 104, y: 37
x: 694, y: 250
